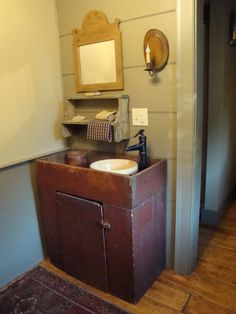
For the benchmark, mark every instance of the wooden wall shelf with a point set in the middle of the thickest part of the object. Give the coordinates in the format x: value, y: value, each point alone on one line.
x: 89, y: 106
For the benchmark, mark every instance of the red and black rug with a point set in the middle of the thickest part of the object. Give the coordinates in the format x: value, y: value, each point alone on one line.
x: 42, y: 292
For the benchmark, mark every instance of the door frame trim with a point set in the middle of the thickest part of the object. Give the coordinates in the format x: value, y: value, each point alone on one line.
x: 188, y: 141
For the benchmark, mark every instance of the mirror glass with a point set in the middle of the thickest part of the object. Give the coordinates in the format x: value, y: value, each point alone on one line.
x: 97, y: 63
x: 98, y: 54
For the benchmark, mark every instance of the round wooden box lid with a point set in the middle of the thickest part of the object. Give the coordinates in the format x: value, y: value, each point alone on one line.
x: 77, y: 158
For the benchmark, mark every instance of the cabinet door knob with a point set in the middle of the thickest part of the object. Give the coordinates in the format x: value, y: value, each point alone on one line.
x: 105, y: 225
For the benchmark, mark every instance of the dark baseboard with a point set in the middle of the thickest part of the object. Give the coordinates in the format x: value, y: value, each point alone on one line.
x: 212, y: 217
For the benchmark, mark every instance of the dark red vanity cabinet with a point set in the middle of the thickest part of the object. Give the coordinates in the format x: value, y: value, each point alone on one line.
x: 107, y: 230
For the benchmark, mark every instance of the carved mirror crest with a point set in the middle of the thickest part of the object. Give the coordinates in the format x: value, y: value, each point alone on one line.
x: 98, y: 54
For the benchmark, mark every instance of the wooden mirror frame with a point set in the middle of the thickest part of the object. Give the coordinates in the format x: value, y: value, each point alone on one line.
x: 96, y: 29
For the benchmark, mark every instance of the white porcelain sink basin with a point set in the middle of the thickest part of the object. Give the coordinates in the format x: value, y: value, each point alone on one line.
x: 121, y: 166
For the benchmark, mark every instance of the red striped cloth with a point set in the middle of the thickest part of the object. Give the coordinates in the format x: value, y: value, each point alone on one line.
x: 99, y: 130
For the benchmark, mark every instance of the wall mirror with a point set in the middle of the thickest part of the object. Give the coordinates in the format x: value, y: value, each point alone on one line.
x: 98, y: 54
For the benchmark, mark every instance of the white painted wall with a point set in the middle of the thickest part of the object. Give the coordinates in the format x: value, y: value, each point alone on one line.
x: 30, y: 107
x: 30, y: 80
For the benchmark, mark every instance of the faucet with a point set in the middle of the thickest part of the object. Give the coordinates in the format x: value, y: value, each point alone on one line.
x: 142, y: 148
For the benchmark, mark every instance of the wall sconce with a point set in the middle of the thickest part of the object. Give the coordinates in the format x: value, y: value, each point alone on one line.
x: 156, y: 51
x: 232, y: 30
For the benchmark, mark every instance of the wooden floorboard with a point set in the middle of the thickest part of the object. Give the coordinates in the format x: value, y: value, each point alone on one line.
x: 165, y: 294
x: 205, y: 286
x: 210, y: 289
x: 222, y: 273
x: 219, y: 256
x: 220, y: 239
x: 198, y: 305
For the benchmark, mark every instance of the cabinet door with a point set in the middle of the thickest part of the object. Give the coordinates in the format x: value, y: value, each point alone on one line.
x: 82, y: 239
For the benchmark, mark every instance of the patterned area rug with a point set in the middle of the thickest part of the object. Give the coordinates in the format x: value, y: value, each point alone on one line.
x: 42, y: 292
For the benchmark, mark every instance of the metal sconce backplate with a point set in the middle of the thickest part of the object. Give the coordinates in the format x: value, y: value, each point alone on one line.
x: 232, y: 29
x: 159, y: 48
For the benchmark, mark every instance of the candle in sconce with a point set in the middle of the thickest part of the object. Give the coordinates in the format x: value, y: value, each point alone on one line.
x: 148, y: 54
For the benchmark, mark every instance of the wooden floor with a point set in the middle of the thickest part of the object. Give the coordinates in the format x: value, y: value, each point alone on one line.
x: 211, y: 288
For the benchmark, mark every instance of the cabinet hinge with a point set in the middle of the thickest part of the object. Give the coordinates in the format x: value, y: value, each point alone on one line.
x: 105, y: 225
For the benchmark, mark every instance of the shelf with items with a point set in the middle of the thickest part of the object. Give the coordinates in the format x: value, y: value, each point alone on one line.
x: 89, y: 106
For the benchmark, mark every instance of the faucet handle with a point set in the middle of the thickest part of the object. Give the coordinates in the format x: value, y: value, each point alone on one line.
x: 140, y: 132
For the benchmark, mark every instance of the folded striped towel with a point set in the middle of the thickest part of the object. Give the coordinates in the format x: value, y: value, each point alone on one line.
x: 99, y: 130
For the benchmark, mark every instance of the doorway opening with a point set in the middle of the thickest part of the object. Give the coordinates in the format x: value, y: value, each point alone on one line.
x: 218, y: 109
